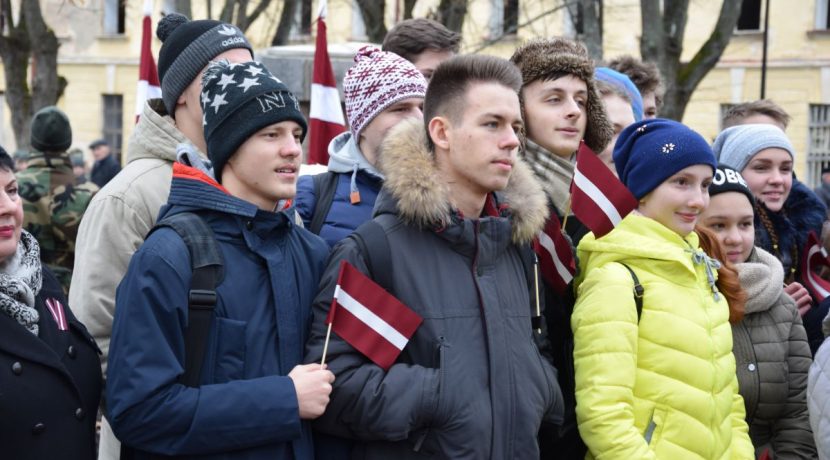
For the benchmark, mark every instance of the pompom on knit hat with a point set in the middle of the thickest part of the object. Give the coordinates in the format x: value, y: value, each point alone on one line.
x: 187, y: 47
x: 50, y: 130
x: 549, y: 58
x: 622, y: 83
x: 650, y: 151
x: 736, y: 146
x: 377, y: 80
x: 237, y: 101
x: 727, y: 179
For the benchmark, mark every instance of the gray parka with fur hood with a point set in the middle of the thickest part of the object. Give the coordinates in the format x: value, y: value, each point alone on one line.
x: 471, y: 383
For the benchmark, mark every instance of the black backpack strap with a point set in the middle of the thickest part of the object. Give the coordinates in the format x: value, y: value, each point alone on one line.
x: 325, y: 185
x: 208, y: 271
x: 638, y: 291
x: 373, y: 243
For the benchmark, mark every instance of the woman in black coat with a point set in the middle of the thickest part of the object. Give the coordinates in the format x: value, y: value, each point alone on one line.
x: 50, y: 374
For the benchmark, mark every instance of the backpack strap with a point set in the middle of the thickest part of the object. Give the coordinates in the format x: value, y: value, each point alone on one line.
x: 325, y: 184
x: 373, y: 243
x: 208, y: 271
x: 638, y: 291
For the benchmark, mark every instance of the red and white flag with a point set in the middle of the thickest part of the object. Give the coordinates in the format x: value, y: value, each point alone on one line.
x: 598, y: 198
x: 370, y: 319
x: 556, y: 258
x: 56, y: 309
x: 148, y: 77
x: 326, y: 115
x: 814, y: 258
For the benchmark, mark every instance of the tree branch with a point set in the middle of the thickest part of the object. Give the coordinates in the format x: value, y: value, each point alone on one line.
x: 692, y: 73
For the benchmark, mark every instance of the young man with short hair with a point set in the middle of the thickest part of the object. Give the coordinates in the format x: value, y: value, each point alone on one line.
x: 646, y: 76
x: 761, y: 111
x: 423, y: 42
x: 253, y: 398
x: 119, y: 217
x: 458, y: 207
x: 382, y: 89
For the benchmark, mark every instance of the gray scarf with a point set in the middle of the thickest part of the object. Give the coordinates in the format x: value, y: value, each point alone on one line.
x: 762, y: 277
x: 554, y: 173
x: 20, y: 282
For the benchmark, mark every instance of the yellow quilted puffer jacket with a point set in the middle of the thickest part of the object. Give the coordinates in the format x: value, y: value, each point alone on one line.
x: 666, y: 388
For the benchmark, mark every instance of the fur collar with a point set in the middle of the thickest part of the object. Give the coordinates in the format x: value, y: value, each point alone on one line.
x: 423, y: 199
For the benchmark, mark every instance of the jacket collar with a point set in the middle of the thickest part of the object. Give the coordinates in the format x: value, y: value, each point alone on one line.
x: 414, y: 188
x: 155, y: 135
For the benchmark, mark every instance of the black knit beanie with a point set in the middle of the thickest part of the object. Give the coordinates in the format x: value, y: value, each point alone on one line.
x: 727, y: 179
x: 187, y: 47
x: 50, y: 131
x: 237, y: 101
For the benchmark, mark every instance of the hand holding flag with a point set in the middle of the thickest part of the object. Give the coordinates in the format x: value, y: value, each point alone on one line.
x: 368, y: 318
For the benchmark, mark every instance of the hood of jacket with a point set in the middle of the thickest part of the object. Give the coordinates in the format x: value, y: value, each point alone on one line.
x: 155, y: 135
x: 637, y: 237
x: 414, y: 189
x: 345, y: 156
x: 762, y: 277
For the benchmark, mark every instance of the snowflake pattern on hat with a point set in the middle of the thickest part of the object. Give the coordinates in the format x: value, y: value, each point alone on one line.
x: 378, y: 80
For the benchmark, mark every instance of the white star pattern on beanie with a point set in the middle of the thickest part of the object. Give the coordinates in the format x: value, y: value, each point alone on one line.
x: 226, y: 80
x: 205, y: 98
x: 218, y: 101
x: 247, y: 83
x: 275, y: 79
x: 254, y: 71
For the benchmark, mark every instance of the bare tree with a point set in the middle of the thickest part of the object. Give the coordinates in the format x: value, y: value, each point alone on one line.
x: 28, y: 39
x: 373, y: 14
x: 591, y: 21
x: 408, y: 6
x: 236, y: 12
x: 183, y: 7
x: 662, y: 42
x: 289, y: 10
x: 451, y: 13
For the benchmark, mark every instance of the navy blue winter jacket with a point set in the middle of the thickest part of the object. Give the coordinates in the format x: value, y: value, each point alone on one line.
x: 246, y: 407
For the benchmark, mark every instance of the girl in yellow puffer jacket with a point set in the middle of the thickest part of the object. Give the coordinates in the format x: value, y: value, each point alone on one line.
x: 660, y: 383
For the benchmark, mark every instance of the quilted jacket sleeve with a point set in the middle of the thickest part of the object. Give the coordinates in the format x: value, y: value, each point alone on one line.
x: 792, y: 437
x: 818, y: 399
x: 605, y: 357
x: 741, y: 448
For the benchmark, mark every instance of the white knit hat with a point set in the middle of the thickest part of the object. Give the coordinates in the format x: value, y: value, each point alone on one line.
x: 378, y: 80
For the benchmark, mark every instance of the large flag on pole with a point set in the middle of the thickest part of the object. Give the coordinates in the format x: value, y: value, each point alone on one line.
x: 599, y: 200
x: 370, y: 319
x: 148, y: 77
x: 326, y: 115
x: 814, y: 258
x: 555, y: 255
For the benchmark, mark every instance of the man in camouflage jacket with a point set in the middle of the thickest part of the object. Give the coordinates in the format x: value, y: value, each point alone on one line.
x: 52, y: 203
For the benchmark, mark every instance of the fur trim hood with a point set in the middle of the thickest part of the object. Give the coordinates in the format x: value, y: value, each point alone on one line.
x: 423, y: 199
x: 543, y: 57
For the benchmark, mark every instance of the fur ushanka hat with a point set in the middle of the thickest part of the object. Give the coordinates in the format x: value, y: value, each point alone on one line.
x: 544, y: 58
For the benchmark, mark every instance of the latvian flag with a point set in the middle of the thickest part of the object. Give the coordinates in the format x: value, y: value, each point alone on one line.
x: 555, y: 255
x: 148, y: 77
x: 58, y: 314
x: 598, y: 198
x: 814, y: 258
x: 369, y: 318
x: 325, y: 114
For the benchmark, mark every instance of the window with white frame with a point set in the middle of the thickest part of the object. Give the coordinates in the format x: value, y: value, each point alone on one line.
x: 750, y: 18
x: 818, y: 149
x: 113, y: 122
x: 115, y: 17
x: 822, y: 15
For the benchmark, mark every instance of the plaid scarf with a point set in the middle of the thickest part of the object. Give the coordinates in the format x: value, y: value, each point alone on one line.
x: 554, y: 173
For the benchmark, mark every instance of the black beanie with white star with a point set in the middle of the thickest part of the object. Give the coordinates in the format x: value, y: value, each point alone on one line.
x: 237, y: 101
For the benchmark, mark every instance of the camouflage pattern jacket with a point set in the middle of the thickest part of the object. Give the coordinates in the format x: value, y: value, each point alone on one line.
x: 52, y: 207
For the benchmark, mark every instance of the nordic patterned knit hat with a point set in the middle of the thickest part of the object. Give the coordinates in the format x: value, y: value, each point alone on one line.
x: 378, y: 80
x: 237, y: 101
x: 187, y: 47
x: 737, y: 145
x: 650, y: 151
x: 545, y: 58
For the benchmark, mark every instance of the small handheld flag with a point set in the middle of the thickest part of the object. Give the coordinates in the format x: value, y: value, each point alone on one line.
x: 368, y: 318
x: 555, y: 255
x: 813, y: 259
x: 599, y: 199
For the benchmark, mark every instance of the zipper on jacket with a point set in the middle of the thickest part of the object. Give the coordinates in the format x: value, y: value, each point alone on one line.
x: 650, y: 430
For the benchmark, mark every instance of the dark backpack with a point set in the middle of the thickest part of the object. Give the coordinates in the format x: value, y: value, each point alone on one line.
x: 208, y: 272
x: 325, y: 184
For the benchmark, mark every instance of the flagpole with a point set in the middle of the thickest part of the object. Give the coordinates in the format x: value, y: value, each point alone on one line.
x: 567, y: 211
x: 536, y: 285
x: 326, y: 346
